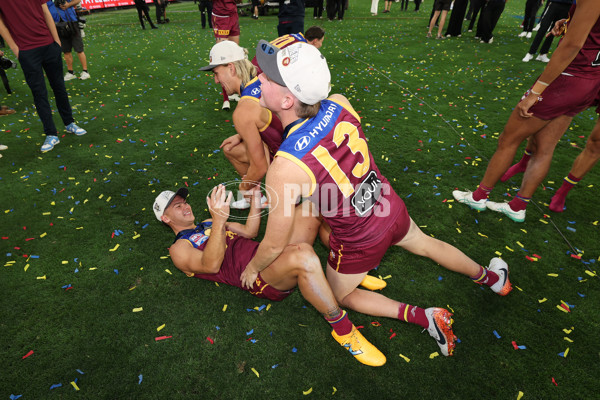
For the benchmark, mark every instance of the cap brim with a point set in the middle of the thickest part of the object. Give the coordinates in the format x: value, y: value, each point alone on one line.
x: 266, y: 56
x: 209, y: 67
x: 181, y: 192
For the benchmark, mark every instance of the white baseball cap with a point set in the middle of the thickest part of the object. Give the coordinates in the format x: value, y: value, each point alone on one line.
x: 300, y: 67
x: 164, y: 199
x: 224, y: 52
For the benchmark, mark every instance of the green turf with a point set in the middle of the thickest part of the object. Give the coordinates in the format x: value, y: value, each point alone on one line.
x: 432, y: 111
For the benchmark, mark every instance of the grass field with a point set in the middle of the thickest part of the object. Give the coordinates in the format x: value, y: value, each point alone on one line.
x: 86, y: 281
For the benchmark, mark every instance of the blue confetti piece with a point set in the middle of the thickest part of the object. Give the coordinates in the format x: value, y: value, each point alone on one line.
x: 440, y: 278
x: 116, y: 271
x: 562, y: 354
x: 262, y: 307
x: 250, y: 332
x: 56, y: 385
x: 294, y: 350
x: 581, y: 294
x: 275, y: 366
x: 497, y: 335
x: 15, y: 396
x: 80, y: 371
x: 140, y: 379
x: 522, y: 347
x: 145, y: 226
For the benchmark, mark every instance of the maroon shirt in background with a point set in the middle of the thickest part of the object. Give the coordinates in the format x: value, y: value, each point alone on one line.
x: 26, y: 23
x: 224, y: 7
x: 587, y: 62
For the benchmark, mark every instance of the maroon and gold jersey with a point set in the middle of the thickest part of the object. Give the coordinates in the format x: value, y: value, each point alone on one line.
x: 587, y: 62
x: 272, y: 132
x: 238, y: 253
x: 354, y: 198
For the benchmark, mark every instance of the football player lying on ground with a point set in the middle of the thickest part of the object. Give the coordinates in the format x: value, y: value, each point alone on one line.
x: 218, y: 250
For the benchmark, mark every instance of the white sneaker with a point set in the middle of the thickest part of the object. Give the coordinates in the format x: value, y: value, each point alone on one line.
x: 467, y: 198
x: 226, y: 105
x: 244, y: 204
x: 522, y: 34
x: 234, y: 97
x: 3, y: 147
x: 528, y: 35
x: 440, y: 328
x: 503, y: 286
x: 84, y: 75
x: 504, y: 208
x: 537, y: 28
x: 69, y: 76
x: 528, y: 57
x: 543, y: 58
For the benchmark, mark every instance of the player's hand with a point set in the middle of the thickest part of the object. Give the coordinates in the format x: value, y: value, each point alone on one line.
x: 525, y: 104
x: 249, y: 276
x: 218, y: 204
x: 559, y: 27
x: 230, y: 142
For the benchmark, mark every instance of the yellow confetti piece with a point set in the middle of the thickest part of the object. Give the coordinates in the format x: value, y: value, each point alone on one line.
x: 43, y: 234
x: 255, y: 372
x: 334, y: 390
x: 553, y: 275
x: 520, y: 395
x: 136, y: 236
x: 508, y: 248
x: 305, y: 392
x: 520, y: 244
x: 41, y: 277
x: 268, y: 307
x: 404, y: 357
x: 115, y: 248
x: 481, y: 234
x: 567, y: 339
x: 544, y: 221
x: 74, y: 385
x: 64, y: 262
x: 160, y: 327
x: 163, y: 257
x: 224, y: 307
x: 433, y: 355
x: 93, y: 268
x: 498, y: 253
x: 590, y: 273
x: 168, y: 272
x: 458, y: 230
x: 387, y: 277
x: 26, y: 267
x: 567, y: 331
x: 138, y: 309
x: 542, y: 300
x: 133, y: 287
x: 518, y: 288
x: 566, y: 352
x: 46, y: 213
x: 561, y: 309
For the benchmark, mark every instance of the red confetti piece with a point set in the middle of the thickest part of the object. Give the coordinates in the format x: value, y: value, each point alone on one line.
x: 529, y: 258
x: 536, y: 256
x: 375, y: 323
x: 393, y: 334
x: 210, y: 340
x: 27, y: 355
x: 553, y: 381
x: 162, y: 338
x: 28, y: 239
x: 516, y: 347
x: 566, y: 307
x: 576, y: 256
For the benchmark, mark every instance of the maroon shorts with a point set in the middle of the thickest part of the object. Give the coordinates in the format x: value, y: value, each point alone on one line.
x: 567, y: 95
x: 225, y: 26
x: 356, y: 258
x: 265, y: 291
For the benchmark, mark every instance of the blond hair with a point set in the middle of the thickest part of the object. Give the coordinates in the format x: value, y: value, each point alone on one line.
x: 245, y: 70
x: 307, y: 111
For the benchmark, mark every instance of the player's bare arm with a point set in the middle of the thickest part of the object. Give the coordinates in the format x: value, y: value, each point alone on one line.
x: 247, y: 121
x: 250, y: 228
x: 285, y: 182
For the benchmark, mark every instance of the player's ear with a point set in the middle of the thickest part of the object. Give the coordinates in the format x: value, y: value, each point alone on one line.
x: 165, y: 219
x: 287, y: 101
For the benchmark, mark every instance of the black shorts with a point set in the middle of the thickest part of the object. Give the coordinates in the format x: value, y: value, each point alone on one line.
x: 442, y: 5
x: 72, y: 42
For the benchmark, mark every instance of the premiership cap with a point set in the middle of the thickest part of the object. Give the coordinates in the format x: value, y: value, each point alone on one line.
x: 224, y: 52
x: 164, y: 199
x: 300, y: 67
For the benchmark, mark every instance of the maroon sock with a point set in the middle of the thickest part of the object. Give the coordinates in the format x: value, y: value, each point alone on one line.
x: 519, y: 203
x: 482, y: 192
x: 521, y: 166
x: 413, y: 315
x: 485, y: 277
x: 341, y: 324
x: 557, y: 204
x: 225, y: 96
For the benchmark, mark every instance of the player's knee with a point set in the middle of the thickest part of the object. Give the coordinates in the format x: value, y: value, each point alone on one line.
x: 593, y: 146
x: 305, y: 259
